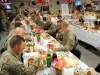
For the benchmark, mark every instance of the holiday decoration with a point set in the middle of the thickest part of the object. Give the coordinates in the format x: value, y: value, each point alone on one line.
x: 40, y: 1
x: 58, y: 2
x: 22, y: 4
x: 33, y: 3
x: 47, y: 2
x: 69, y: 1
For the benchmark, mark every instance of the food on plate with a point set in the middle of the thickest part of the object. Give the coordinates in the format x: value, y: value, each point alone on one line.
x: 45, y: 35
x: 30, y: 61
x: 70, y: 62
x: 42, y: 52
x: 29, y: 49
x: 61, y: 63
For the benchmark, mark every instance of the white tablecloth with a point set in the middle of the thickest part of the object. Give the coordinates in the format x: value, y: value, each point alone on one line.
x: 50, y: 71
x: 86, y: 36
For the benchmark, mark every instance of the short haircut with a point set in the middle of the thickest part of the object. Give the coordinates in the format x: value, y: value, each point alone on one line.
x: 59, y: 21
x: 17, y: 19
x: 65, y: 23
x: 16, y: 40
x: 18, y: 24
x: 88, y: 5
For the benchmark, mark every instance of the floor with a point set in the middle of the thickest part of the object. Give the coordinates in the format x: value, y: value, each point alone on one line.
x: 89, y: 56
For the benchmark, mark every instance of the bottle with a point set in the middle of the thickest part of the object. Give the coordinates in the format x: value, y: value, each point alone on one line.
x: 54, y: 56
x: 49, y: 59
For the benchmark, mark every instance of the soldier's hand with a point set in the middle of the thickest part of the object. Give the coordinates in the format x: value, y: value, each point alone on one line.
x: 46, y: 31
x: 38, y: 55
x: 57, y: 36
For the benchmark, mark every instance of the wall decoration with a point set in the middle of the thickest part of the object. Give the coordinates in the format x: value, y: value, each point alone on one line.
x: 22, y: 4
x: 33, y: 3
x: 57, y: 2
x: 45, y: 8
x: 40, y: 1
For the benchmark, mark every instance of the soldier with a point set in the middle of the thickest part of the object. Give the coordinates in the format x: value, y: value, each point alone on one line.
x: 21, y: 11
x: 13, y: 30
x: 39, y: 23
x: 18, y: 31
x: 69, y: 38
x: 10, y: 62
x: 12, y: 25
x: 50, y: 27
x: 4, y: 18
x: 60, y: 32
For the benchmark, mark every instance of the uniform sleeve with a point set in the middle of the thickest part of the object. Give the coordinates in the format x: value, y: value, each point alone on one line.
x: 70, y: 43
x: 17, y: 67
x: 52, y: 29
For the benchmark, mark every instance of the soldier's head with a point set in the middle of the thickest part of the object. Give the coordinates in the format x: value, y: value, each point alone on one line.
x: 17, y: 43
x: 18, y: 24
x: 59, y: 24
x: 48, y: 19
x: 37, y: 17
x: 20, y: 31
x: 65, y: 25
x: 17, y: 19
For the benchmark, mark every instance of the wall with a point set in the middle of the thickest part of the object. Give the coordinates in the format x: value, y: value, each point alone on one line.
x: 53, y: 6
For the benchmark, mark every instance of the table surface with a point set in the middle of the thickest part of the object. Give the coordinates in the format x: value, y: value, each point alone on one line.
x: 87, y: 36
x: 47, y: 71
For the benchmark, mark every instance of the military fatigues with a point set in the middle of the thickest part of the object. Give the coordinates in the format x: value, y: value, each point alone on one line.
x: 21, y: 12
x: 69, y: 41
x: 40, y: 24
x: 60, y: 32
x: 4, y: 19
x: 51, y: 29
x: 10, y: 33
x: 7, y: 43
x: 10, y: 64
x: 12, y: 26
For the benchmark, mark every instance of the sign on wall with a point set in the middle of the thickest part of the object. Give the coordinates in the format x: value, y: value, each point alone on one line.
x: 65, y: 9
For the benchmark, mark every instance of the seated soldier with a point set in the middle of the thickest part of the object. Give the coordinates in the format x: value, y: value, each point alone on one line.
x: 18, y: 31
x: 12, y: 25
x: 50, y: 27
x: 12, y: 31
x: 69, y: 39
x: 60, y: 32
x: 10, y: 62
x: 39, y: 23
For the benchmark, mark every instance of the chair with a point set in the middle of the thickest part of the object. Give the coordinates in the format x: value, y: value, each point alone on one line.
x: 76, y: 52
x: 98, y: 68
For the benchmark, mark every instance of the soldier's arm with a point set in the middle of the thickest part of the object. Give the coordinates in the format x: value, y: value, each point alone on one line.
x: 17, y: 68
x: 70, y: 43
x: 52, y: 30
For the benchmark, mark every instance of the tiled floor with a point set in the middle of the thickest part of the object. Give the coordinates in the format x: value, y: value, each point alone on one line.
x: 91, y: 56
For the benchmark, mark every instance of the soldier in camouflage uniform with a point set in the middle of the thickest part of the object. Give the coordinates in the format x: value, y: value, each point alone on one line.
x: 39, y: 23
x: 12, y: 25
x: 50, y: 27
x: 10, y: 62
x: 69, y: 38
x: 18, y: 31
x: 13, y: 30
x: 4, y: 18
x: 60, y: 32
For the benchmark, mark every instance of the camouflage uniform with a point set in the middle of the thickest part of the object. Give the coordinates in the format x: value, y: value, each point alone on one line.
x: 10, y: 33
x: 40, y: 24
x: 10, y: 64
x: 7, y: 43
x: 69, y: 41
x: 60, y: 32
x: 12, y: 26
x: 4, y: 19
x: 51, y: 29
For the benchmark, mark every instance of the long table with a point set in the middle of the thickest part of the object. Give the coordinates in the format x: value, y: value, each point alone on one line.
x: 87, y: 36
x: 51, y: 71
